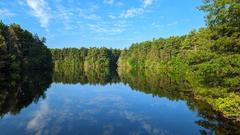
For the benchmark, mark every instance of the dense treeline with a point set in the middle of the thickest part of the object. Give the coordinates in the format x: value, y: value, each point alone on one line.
x: 209, y: 58
x: 85, y: 65
x: 25, y: 68
x: 85, y: 58
x: 20, y: 50
x: 196, y: 50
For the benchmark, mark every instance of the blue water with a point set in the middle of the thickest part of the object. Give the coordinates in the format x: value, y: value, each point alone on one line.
x: 113, y: 109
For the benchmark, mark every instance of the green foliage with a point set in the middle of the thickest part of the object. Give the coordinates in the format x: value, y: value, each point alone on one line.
x: 229, y: 105
x: 208, y: 58
x: 223, y: 15
x: 19, y: 49
x: 83, y: 58
x: 22, y: 55
x: 141, y: 55
x: 223, y: 21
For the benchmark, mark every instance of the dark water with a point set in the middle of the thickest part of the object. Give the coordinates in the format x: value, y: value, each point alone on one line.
x: 107, y: 103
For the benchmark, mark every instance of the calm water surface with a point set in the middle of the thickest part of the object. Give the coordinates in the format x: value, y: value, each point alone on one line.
x: 99, y: 108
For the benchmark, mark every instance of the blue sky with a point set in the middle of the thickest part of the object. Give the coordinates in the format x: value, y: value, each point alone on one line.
x: 109, y: 23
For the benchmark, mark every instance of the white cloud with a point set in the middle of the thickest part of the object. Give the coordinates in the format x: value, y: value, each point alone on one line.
x: 156, y: 25
x: 112, y: 16
x: 108, y: 28
x: 93, y: 8
x: 113, y: 2
x: 89, y: 13
x: 41, y: 11
x: 119, y: 4
x: 162, y: 26
x: 6, y: 13
x: 172, y: 23
x: 110, y: 2
x: 39, y: 121
x: 97, y: 28
x: 132, y: 12
x: 90, y: 16
x: 147, y: 2
x: 65, y: 16
x: 142, y: 120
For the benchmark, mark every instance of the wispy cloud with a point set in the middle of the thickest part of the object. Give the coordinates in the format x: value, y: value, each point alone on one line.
x: 142, y: 120
x: 6, y: 13
x: 89, y: 13
x: 112, y: 16
x: 172, y: 23
x: 161, y: 26
x: 113, y: 2
x: 147, y: 2
x: 38, y: 123
x: 91, y: 16
x: 93, y: 8
x: 97, y: 28
x: 110, y: 2
x: 131, y: 12
x: 65, y: 16
x: 41, y: 11
x: 156, y: 25
x: 108, y: 28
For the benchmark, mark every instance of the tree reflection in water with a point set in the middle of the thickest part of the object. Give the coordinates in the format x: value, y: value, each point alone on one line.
x: 18, y: 92
x: 174, y: 87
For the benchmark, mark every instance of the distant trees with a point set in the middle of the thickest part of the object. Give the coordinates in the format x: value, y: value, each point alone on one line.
x: 85, y: 65
x: 92, y: 58
x: 151, y: 54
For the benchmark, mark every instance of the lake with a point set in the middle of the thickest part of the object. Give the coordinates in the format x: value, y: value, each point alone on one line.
x: 105, y: 103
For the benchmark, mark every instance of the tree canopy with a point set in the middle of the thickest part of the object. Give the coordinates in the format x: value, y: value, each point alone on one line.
x: 20, y: 49
x: 208, y: 57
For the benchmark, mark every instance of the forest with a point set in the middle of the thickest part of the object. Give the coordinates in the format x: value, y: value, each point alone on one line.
x: 25, y: 68
x: 85, y: 58
x: 206, y: 60
x: 209, y: 58
x: 21, y: 51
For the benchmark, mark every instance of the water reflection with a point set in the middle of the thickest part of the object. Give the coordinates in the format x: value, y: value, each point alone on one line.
x: 161, y: 85
x: 73, y: 75
x: 20, y: 90
x: 106, y: 102
x: 174, y: 88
